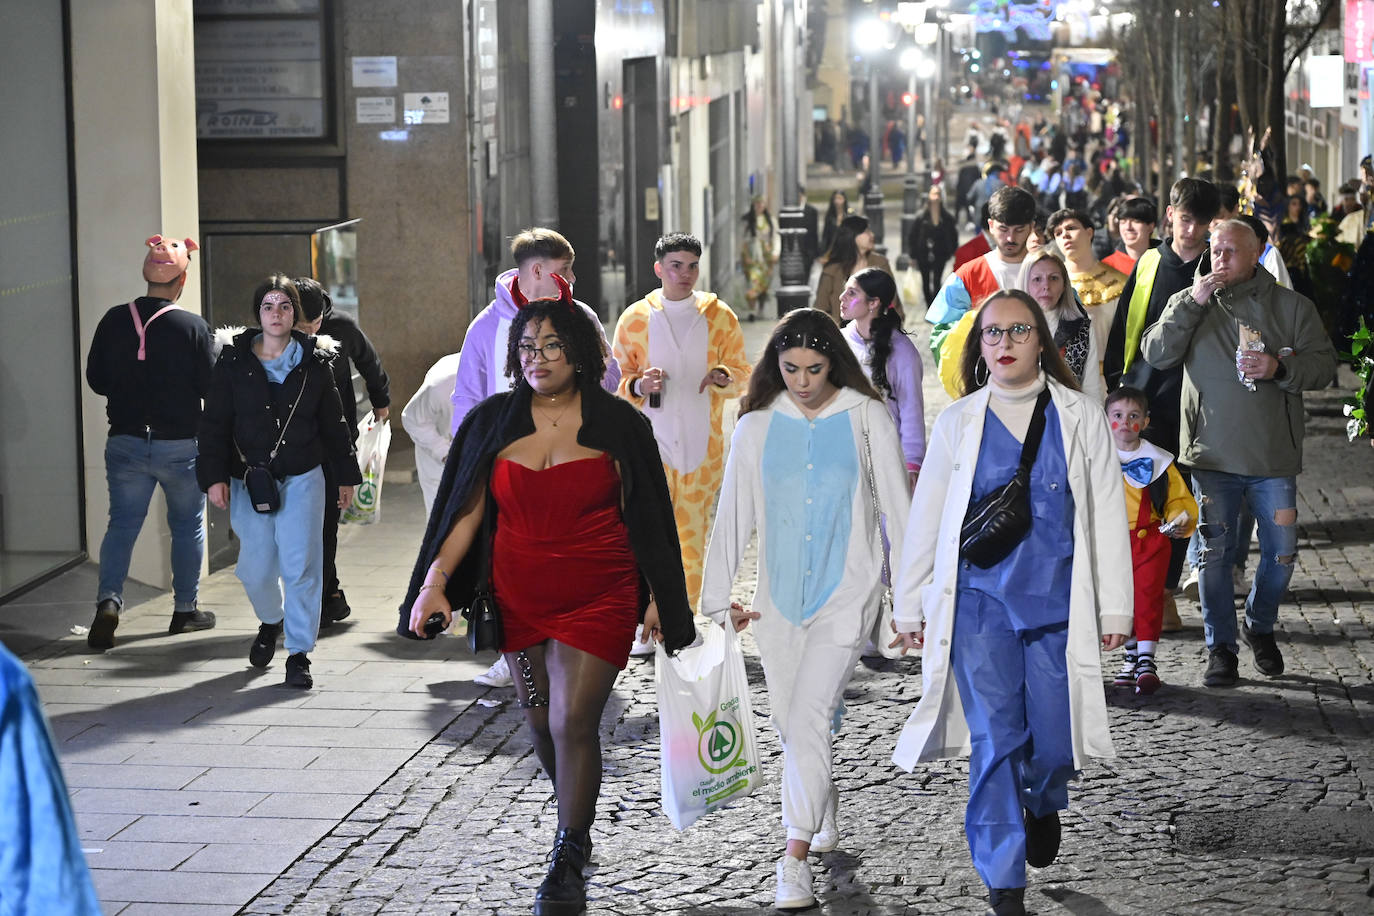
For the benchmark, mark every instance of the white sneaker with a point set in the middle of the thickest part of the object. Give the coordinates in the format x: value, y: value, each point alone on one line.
x: 498, y: 675
x: 794, y: 885
x: 1190, y: 585
x: 640, y: 649
x: 828, y: 837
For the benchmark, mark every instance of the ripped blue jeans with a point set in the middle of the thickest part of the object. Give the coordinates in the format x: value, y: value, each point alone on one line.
x: 1273, y: 502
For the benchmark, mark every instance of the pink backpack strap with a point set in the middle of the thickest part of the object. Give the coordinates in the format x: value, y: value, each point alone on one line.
x: 141, y: 327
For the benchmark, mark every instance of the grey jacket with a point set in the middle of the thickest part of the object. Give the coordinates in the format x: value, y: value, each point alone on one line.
x: 1226, y: 426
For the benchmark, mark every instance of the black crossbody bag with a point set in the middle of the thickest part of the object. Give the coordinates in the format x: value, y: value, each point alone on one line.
x: 999, y: 521
x: 258, y: 479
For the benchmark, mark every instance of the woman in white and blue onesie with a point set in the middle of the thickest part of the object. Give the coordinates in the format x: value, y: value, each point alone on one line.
x: 814, y: 443
x: 1011, y: 672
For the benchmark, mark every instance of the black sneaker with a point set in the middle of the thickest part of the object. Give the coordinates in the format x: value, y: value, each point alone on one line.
x: 1042, y: 839
x: 186, y: 621
x: 334, y: 608
x: 1007, y: 901
x: 1222, y: 668
x: 101, y: 635
x: 298, y: 671
x: 1268, y: 658
x: 264, y: 645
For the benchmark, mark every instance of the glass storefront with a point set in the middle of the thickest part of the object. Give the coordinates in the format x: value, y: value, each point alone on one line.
x: 40, y: 447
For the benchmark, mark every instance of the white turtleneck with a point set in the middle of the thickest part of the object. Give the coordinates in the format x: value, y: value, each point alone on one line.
x: 681, y: 314
x: 1015, y: 406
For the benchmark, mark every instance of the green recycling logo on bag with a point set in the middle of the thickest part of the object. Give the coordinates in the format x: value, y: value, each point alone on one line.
x: 366, y: 495
x: 719, y: 747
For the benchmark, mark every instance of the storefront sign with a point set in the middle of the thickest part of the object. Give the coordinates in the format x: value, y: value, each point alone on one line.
x: 1359, y: 30
x: 260, y: 78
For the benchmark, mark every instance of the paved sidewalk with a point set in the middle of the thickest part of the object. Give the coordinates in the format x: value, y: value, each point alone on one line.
x: 397, y: 786
x: 197, y: 779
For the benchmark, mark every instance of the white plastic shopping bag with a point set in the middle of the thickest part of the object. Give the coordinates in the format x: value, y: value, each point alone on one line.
x: 707, y: 735
x: 373, y: 441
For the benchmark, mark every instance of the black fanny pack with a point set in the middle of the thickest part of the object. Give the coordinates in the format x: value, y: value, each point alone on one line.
x: 261, y: 485
x: 1000, y: 520
x: 258, y: 479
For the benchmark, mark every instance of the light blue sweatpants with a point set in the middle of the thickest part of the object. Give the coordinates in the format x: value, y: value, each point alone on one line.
x: 281, y: 555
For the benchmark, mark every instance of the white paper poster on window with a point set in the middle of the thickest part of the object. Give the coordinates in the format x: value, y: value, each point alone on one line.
x: 426, y: 107
x: 374, y: 72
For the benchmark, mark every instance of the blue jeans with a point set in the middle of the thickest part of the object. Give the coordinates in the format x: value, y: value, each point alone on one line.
x: 1273, y: 503
x: 1014, y: 687
x: 134, y: 466
x: 281, y: 555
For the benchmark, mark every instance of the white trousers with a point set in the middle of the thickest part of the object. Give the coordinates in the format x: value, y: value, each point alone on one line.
x: 807, y: 668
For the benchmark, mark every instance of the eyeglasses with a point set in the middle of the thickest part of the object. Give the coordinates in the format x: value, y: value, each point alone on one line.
x: 551, y: 350
x: 1020, y: 333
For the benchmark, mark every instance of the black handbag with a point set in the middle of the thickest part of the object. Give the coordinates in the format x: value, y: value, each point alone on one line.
x: 999, y: 521
x: 482, y: 615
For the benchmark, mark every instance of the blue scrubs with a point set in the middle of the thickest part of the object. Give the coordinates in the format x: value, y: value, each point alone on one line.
x: 1008, y: 650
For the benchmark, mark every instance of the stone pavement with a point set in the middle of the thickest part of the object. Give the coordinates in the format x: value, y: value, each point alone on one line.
x: 397, y: 786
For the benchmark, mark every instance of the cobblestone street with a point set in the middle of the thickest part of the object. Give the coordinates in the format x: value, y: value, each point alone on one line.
x: 1253, y: 800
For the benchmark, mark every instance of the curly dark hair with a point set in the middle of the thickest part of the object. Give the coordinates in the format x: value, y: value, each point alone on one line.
x: 813, y: 329
x: 579, y: 334
x: 278, y: 282
x: 878, y: 284
x: 1050, y: 359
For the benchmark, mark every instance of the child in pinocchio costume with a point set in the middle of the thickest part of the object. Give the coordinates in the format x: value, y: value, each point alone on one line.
x: 1158, y: 506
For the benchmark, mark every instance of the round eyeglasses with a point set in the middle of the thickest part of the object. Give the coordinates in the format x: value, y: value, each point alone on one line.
x: 552, y: 350
x: 1019, y: 332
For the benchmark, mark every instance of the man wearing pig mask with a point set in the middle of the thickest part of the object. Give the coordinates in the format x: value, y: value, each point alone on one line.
x: 152, y: 360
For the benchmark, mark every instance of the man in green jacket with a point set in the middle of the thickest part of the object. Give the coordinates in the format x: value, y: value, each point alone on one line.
x: 1248, y: 348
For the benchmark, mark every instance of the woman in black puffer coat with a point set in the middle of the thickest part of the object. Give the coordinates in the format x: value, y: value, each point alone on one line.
x: 273, y: 408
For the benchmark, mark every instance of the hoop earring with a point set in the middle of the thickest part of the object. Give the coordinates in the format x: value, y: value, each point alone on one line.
x: 987, y: 373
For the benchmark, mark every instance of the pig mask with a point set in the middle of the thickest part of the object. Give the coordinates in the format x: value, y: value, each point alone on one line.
x: 167, y: 258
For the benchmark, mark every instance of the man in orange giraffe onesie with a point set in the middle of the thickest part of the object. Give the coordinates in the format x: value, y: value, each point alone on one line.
x: 681, y: 354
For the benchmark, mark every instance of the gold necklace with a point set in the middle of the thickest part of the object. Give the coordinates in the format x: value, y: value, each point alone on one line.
x: 554, y: 420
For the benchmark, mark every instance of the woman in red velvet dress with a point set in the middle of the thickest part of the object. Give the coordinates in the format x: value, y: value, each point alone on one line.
x: 584, y: 549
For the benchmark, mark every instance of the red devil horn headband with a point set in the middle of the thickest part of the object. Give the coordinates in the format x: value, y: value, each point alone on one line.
x: 564, y: 290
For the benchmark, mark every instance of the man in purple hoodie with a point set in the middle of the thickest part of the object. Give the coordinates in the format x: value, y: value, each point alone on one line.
x: 539, y: 254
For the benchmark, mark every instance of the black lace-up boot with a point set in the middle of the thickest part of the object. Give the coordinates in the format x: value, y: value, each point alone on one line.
x: 564, y: 891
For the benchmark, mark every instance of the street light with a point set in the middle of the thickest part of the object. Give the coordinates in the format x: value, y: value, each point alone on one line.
x: 870, y: 37
x: 912, y: 60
